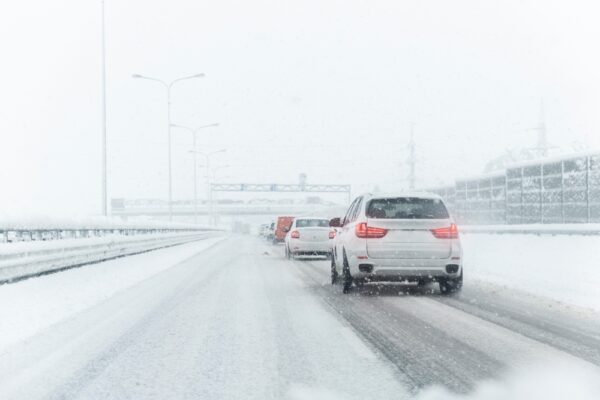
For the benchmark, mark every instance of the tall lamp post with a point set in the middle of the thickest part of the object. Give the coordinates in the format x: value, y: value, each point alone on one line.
x: 208, y: 180
x: 168, y: 86
x: 103, y: 108
x: 194, y: 132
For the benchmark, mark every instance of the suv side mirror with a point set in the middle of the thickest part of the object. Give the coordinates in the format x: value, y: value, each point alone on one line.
x: 335, y: 223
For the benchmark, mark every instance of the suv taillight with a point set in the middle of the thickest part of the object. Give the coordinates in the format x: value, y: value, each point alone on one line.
x: 450, y: 232
x: 369, y: 232
x: 331, y: 234
x: 295, y: 235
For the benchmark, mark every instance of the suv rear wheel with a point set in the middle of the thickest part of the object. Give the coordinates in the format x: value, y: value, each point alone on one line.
x: 346, y: 277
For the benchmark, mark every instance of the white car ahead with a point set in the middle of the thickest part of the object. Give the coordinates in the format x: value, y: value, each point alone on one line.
x: 309, y: 236
x: 405, y: 237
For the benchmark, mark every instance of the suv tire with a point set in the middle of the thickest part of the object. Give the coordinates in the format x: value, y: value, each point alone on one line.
x: 346, y: 277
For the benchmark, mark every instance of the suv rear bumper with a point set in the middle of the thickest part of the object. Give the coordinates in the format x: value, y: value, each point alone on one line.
x: 404, y: 269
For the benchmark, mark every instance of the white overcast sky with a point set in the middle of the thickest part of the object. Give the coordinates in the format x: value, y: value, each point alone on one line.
x: 324, y: 87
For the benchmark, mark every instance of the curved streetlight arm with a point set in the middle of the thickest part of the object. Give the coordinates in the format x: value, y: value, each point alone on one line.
x: 184, y: 78
x: 207, y: 126
x: 168, y: 85
x: 194, y: 130
x: 208, y: 154
x: 138, y: 76
x: 187, y: 128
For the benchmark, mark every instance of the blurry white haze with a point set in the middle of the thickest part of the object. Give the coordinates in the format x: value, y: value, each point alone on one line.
x: 328, y: 88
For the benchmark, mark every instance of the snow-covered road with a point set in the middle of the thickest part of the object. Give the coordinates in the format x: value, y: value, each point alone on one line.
x: 238, y: 321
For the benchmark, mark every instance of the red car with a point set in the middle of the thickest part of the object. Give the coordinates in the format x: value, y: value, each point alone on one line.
x: 283, y: 226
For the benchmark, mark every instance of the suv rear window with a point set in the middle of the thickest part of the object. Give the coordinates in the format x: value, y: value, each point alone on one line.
x: 310, y: 223
x: 407, y: 208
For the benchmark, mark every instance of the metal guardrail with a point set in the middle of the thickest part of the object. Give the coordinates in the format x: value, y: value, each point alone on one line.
x: 276, y: 187
x: 10, y: 235
x: 17, y: 264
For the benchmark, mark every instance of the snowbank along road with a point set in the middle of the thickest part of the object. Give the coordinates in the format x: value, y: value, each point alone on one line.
x: 237, y: 321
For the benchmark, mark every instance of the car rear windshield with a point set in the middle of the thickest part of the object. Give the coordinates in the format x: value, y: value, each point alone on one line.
x: 310, y: 223
x: 407, y: 208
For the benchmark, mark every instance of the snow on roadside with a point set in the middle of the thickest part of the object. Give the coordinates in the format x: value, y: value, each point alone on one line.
x: 569, y: 381
x: 563, y: 268
x: 540, y: 229
x: 34, y: 304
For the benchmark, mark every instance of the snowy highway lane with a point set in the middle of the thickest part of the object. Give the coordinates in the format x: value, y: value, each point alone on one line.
x: 238, y: 321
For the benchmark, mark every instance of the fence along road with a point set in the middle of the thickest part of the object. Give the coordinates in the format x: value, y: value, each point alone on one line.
x: 552, y: 190
x: 24, y: 260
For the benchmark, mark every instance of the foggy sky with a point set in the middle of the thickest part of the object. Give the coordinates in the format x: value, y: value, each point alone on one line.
x: 324, y: 87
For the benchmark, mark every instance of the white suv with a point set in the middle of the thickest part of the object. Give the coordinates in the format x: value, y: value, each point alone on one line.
x: 401, y: 237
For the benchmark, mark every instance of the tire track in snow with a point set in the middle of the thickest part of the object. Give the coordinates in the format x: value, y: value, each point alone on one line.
x: 423, y: 354
x: 526, y: 327
x: 554, y: 328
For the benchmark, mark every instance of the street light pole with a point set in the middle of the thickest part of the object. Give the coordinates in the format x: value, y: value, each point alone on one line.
x: 194, y: 131
x: 208, y: 180
x: 209, y: 193
x: 168, y: 86
x: 195, y: 175
x: 170, y: 153
x: 104, y: 161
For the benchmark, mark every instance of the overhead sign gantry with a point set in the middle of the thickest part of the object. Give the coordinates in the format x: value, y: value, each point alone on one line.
x: 277, y: 187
